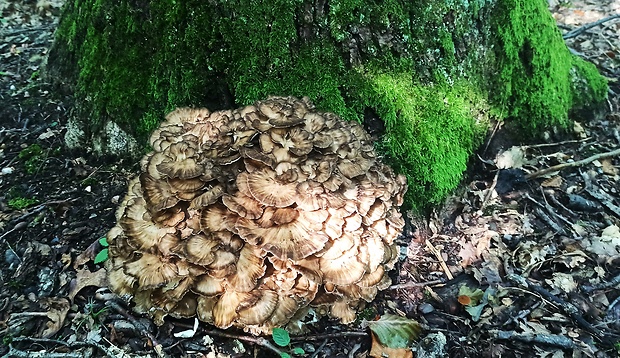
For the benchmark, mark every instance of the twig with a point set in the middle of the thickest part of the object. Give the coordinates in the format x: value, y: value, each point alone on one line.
x: 495, y: 128
x: 415, y: 284
x: 489, y: 192
x: 20, y: 31
x: 544, y: 145
x: 556, y: 202
x: 567, y: 307
x: 442, y: 262
x: 44, y: 354
x: 20, y: 225
x: 578, y: 163
x: 318, y: 350
x: 601, y: 286
x: 354, y: 350
x: 578, y: 31
x: 159, y: 350
x: 263, y: 342
x: 318, y: 337
x: 548, y: 339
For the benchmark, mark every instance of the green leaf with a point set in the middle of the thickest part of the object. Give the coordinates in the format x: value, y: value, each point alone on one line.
x: 101, y: 256
x: 395, y: 331
x: 285, y: 355
x: 299, y: 351
x: 103, y: 242
x: 474, y: 294
x: 281, y: 337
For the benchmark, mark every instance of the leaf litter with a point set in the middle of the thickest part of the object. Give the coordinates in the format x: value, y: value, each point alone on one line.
x: 523, y: 262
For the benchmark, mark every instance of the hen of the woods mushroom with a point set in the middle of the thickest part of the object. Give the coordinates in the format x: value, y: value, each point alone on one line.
x: 248, y: 217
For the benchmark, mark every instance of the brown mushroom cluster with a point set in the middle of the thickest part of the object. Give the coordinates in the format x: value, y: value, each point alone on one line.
x: 248, y: 217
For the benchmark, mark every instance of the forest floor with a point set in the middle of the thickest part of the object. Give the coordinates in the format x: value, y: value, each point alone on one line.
x: 520, y: 262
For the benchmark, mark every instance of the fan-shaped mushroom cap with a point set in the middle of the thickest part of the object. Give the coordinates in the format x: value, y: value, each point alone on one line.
x: 248, y: 217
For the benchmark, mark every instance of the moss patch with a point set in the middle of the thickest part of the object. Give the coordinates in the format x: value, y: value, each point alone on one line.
x: 537, y: 84
x: 430, y: 131
x: 137, y: 61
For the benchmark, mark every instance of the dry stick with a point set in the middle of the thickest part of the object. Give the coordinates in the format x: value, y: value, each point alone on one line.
x: 497, y: 125
x: 489, y: 192
x: 159, y: 350
x: 18, y: 353
x: 601, y: 286
x: 415, y: 284
x: 578, y: 163
x: 544, y: 145
x: 318, y: 337
x: 567, y: 307
x: 442, y: 262
x: 354, y: 350
x: 578, y: 31
x: 318, y: 350
x: 263, y: 342
x: 548, y: 339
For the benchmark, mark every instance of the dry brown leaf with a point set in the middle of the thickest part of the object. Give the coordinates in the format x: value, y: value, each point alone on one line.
x: 511, y: 158
x: 577, y: 127
x: 554, y: 182
x: 85, y: 278
x: 87, y: 255
x: 467, y: 253
x: 57, y: 312
x: 608, y: 167
x: 606, y: 245
x: 563, y: 282
x: 378, y: 350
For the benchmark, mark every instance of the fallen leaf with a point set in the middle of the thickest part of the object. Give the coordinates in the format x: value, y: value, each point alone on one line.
x: 608, y: 167
x: 57, y: 309
x: 87, y: 255
x: 577, y: 127
x: 606, y: 245
x: 378, y: 350
x: 562, y: 281
x: 85, y: 278
x: 395, y: 331
x: 511, y: 158
x: 190, y: 332
x: 554, y: 182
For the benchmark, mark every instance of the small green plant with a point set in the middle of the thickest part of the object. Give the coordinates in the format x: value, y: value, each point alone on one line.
x: 91, y: 318
x: 283, y: 339
x: 102, y: 256
x: 6, y: 340
x: 33, y: 157
x: 89, y: 181
x: 21, y: 203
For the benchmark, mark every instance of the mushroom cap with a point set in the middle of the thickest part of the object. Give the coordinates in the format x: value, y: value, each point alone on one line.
x: 248, y: 217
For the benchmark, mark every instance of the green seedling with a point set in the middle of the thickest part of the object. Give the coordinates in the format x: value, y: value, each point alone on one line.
x: 283, y: 339
x: 102, y: 256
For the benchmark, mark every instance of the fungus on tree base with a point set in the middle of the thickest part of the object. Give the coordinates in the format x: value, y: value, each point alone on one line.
x: 247, y: 217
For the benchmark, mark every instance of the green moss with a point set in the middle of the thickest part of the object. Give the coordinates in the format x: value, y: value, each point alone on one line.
x: 138, y: 61
x: 21, y: 203
x: 535, y: 85
x: 430, y: 131
x: 33, y: 158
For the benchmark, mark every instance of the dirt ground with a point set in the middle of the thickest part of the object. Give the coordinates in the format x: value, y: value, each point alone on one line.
x: 523, y: 261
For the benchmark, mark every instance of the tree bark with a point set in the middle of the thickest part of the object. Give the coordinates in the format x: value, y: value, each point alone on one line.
x: 423, y: 75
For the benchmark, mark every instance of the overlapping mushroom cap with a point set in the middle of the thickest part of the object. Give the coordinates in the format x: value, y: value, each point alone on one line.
x: 247, y: 217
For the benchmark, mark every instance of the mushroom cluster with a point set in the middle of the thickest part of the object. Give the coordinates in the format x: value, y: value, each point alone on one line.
x: 248, y: 217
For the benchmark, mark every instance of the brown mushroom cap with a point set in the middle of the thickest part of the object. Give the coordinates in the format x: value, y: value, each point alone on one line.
x: 248, y: 217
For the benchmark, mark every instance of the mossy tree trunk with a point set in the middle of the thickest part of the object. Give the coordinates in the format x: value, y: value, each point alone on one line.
x: 421, y: 73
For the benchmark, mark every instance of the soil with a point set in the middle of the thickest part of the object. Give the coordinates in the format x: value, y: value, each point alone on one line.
x: 518, y: 263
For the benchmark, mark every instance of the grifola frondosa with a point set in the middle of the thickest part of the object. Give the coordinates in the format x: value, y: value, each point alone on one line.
x: 246, y: 217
